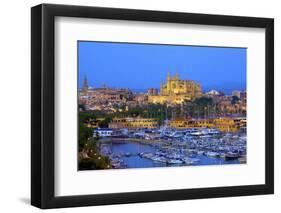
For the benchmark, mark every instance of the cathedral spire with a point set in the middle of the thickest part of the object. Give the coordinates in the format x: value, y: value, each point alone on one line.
x: 177, y: 75
x: 168, y: 76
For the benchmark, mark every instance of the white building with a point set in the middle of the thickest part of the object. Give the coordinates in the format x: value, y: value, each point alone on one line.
x: 102, y: 132
x: 213, y: 92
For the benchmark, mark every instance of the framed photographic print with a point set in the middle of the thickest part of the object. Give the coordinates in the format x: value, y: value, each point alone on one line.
x: 139, y: 106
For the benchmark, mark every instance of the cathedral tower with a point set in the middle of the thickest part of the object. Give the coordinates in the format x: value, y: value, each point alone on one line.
x: 168, y: 83
x: 177, y: 75
x: 85, y: 84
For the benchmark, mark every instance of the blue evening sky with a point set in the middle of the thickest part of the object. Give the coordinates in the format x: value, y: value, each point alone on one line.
x: 142, y: 66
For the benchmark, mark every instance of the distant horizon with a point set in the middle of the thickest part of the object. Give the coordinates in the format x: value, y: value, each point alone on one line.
x: 143, y: 66
x: 204, y: 88
x: 144, y: 90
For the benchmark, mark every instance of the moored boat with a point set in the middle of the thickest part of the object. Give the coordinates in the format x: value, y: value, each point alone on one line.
x: 212, y: 154
x: 174, y: 161
x: 231, y: 156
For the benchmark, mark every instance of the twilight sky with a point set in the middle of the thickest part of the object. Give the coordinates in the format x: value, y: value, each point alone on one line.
x: 142, y: 66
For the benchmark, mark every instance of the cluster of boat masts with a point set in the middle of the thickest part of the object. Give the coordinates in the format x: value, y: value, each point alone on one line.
x: 181, y: 134
x: 190, y: 157
x: 175, y: 133
x: 184, y: 147
x: 166, y: 158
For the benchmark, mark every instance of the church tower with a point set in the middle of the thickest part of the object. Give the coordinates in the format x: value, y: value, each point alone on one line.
x: 161, y: 88
x: 85, y: 84
x: 168, y: 83
x: 177, y: 76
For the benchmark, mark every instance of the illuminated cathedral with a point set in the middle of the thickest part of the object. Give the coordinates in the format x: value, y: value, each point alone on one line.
x: 175, y: 91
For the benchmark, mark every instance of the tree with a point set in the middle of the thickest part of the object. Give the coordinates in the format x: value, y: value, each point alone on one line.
x: 234, y: 99
x: 202, y: 105
x: 188, y: 107
x: 203, y: 101
x: 81, y: 107
x: 84, y: 134
x: 104, y: 123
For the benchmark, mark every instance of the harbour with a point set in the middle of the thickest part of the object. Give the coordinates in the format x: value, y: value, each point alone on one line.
x: 166, y: 151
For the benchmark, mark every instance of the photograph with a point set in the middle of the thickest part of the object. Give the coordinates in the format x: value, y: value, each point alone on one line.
x: 146, y: 105
x: 154, y: 105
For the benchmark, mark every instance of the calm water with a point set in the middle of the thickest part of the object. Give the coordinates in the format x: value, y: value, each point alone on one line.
x: 135, y: 161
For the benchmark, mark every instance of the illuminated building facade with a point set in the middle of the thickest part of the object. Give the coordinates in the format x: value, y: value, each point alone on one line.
x: 175, y: 91
x: 132, y: 123
x: 224, y: 124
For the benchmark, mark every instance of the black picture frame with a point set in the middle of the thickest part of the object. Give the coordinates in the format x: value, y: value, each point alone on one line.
x: 43, y: 110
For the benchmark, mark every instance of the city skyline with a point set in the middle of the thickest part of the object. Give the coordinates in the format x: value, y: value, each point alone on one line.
x: 146, y: 106
x: 143, y: 61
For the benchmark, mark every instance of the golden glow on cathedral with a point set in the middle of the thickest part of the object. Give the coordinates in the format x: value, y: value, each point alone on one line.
x: 175, y: 91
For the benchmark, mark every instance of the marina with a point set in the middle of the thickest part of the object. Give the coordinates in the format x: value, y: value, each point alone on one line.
x: 163, y: 148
